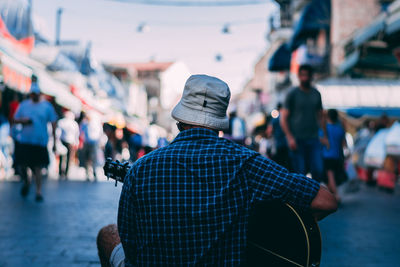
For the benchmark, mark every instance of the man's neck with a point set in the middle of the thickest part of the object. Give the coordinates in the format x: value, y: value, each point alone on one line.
x: 305, y: 88
x: 187, y: 127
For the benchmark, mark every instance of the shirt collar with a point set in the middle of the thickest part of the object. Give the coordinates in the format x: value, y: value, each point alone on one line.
x: 195, y: 133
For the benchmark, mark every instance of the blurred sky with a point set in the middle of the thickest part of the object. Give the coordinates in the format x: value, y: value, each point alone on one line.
x: 190, y: 34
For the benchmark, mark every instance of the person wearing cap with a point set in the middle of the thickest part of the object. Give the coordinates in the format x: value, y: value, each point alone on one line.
x: 34, y: 114
x: 187, y: 204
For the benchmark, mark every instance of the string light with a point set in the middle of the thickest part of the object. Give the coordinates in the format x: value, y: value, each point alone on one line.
x: 143, y: 27
x: 195, y: 3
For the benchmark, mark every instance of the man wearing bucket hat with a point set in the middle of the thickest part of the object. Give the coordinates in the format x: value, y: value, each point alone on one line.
x: 187, y: 204
x: 33, y: 114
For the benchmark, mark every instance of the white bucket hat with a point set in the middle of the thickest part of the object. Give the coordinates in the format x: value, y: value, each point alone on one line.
x: 204, y: 103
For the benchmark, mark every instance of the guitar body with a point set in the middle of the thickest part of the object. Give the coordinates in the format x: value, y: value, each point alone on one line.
x: 278, y: 235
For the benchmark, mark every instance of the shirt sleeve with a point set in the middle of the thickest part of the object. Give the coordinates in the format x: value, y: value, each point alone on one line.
x: 51, y: 113
x: 270, y: 181
x: 126, y: 219
x: 18, y: 113
x: 288, y: 104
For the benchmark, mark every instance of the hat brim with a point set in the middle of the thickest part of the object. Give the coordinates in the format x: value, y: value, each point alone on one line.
x: 191, y: 116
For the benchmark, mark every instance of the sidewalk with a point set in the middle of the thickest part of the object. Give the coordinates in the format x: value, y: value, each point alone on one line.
x: 62, y: 230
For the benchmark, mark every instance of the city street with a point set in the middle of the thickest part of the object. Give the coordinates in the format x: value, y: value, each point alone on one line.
x: 62, y: 230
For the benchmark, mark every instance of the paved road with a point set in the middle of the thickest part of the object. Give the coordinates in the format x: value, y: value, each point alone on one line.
x: 364, y: 232
x: 62, y: 230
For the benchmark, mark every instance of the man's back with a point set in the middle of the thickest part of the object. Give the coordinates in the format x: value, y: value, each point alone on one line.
x: 187, y: 204
x: 40, y: 114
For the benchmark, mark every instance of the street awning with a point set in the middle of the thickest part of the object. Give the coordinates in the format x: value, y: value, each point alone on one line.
x: 280, y: 60
x: 67, y: 100
x: 356, y: 93
x: 349, y: 62
x: 16, y: 24
x: 372, y: 112
x: 63, y: 96
x: 16, y: 75
x: 372, y: 30
x: 316, y: 16
x: 393, y: 23
x: 373, y: 58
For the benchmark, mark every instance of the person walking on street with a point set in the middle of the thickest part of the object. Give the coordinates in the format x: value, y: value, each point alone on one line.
x: 34, y: 114
x: 333, y: 152
x: 301, y: 119
x: 188, y: 204
x: 91, y: 131
x: 69, y: 137
x: 237, y: 128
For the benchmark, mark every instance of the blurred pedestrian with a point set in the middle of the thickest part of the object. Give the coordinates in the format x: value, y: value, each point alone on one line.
x: 237, y: 128
x: 110, y: 149
x: 281, y: 150
x: 13, y: 106
x: 34, y: 114
x: 333, y: 152
x: 69, y: 137
x: 382, y: 123
x: 300, y: 120
x: 91, y: 132
x: 5, y: 160
x: 135, y: 145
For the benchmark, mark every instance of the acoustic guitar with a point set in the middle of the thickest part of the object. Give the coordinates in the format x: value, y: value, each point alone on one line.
x: 278, y: 234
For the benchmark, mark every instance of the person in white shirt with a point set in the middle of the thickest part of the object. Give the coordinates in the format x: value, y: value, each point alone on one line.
x: 69, y: 137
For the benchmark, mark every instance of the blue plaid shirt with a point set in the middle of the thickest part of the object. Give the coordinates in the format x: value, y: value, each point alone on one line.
x: 187, y: 204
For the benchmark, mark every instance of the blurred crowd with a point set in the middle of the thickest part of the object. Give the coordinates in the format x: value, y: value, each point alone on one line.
x: 85, y: 141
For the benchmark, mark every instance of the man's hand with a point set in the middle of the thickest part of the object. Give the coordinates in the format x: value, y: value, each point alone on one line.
x: 324, y: 203
x: 285, y: 128
x: 292, y: 143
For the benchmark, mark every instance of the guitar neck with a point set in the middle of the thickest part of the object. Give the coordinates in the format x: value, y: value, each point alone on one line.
x: 116, y: 170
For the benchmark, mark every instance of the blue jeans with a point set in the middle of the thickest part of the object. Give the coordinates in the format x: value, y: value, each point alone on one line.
x: 308, y: 158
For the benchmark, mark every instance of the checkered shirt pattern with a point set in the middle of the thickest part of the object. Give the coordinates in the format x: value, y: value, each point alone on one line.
x: 187, y: 204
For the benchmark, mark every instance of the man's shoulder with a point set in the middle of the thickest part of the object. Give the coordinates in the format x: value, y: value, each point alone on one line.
x: 153, y: 154
x: 46, y: 104
x: 315, y: 90
x: 25, y: 103
x: 221, y: 146
x: 233, y: 149
x: 293, y: 90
